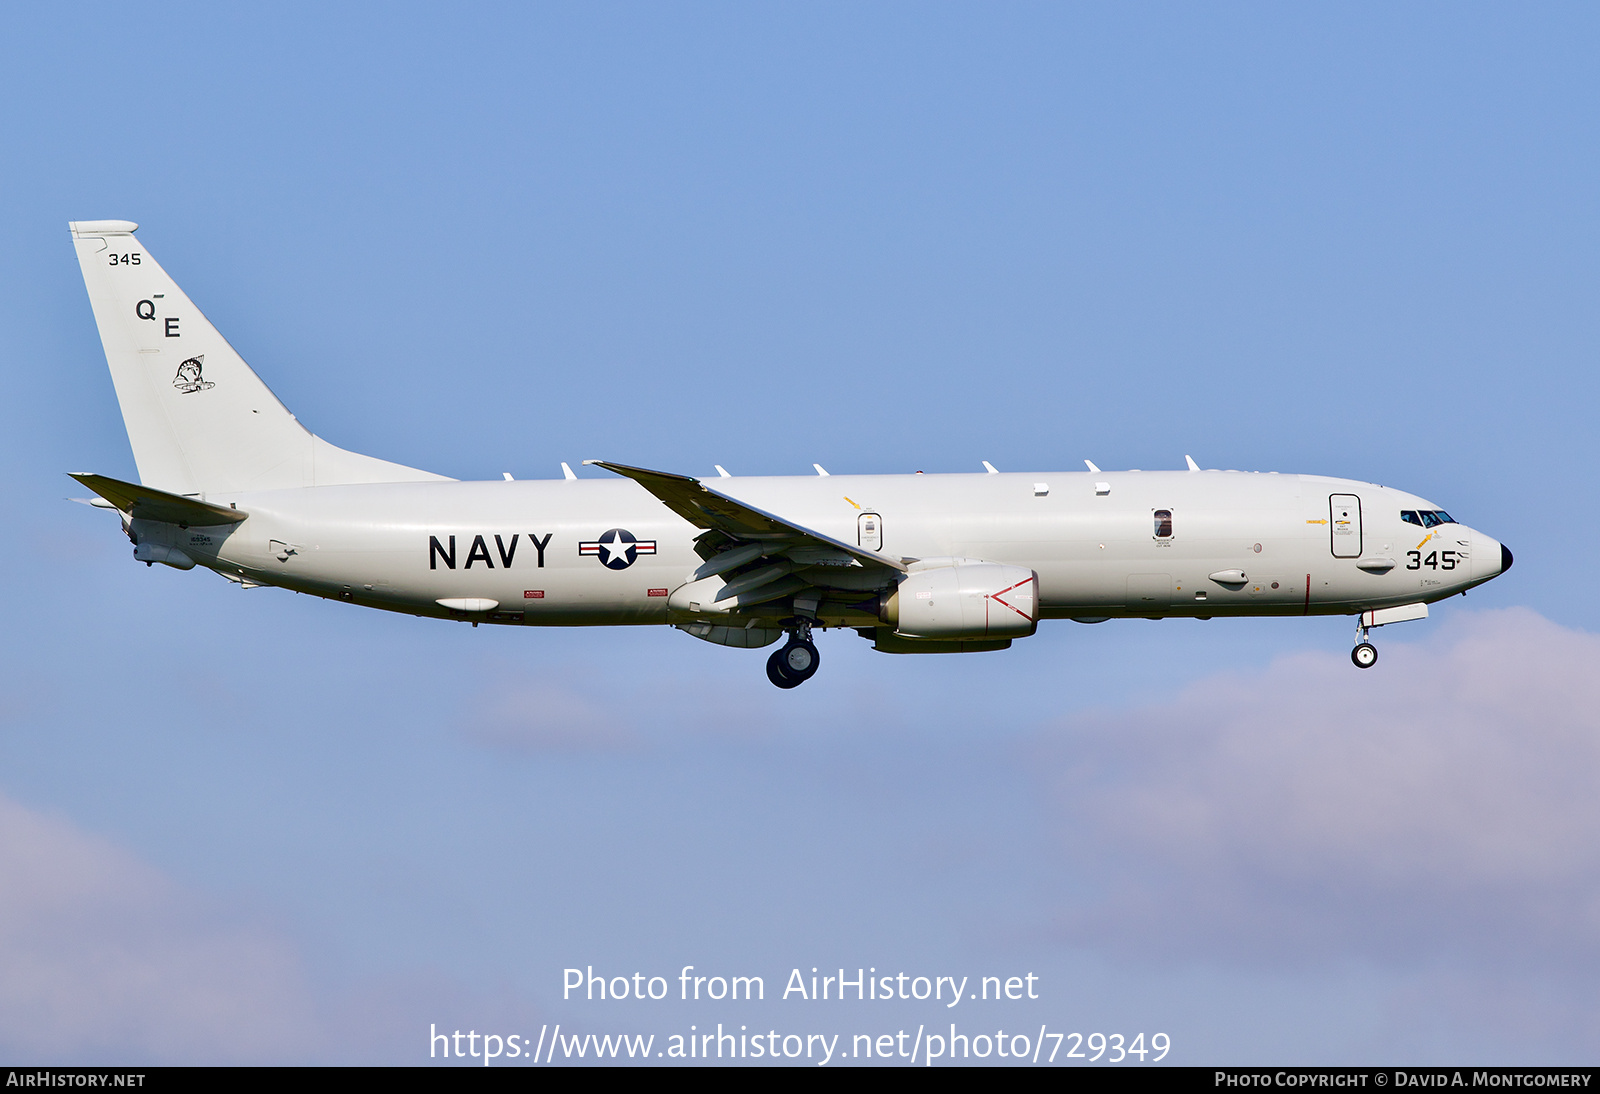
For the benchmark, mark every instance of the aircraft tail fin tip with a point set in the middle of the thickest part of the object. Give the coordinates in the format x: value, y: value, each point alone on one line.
x: 81, y: 228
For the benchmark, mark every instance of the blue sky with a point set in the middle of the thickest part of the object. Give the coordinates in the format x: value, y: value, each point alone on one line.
x: 1348, y: 240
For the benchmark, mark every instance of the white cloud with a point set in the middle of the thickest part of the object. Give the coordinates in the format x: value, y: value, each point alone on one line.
x: 103, y: 958
x: 1439, y: 811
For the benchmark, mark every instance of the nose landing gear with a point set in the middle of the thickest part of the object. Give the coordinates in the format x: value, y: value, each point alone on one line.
x: 796, y: 662
x: 1365, y: 655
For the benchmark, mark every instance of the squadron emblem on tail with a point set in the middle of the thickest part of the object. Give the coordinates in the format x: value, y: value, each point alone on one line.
x: 188, y: 379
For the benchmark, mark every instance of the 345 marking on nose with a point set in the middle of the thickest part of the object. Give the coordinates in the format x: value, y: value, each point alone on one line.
x: 1436, y: 560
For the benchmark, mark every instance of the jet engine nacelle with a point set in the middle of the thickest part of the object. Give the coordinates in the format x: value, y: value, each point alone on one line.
x: 964, y: 598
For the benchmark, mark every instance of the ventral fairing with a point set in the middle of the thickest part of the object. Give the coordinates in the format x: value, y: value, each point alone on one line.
x: 230, y: 481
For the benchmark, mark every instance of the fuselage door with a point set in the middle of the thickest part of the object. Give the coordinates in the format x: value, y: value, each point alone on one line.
x: 1149, y: 592
x: 869, y: 531
x: 1344, y: 522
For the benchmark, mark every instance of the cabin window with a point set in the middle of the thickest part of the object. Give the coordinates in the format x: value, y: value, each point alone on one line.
x: 1410, y: 516
x: 1163, y: 523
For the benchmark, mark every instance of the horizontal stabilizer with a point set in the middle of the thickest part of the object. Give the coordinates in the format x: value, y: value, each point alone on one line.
x: 143, y: 503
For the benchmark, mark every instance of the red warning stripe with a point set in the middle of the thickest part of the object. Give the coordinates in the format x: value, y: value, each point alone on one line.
x: 997, y: 597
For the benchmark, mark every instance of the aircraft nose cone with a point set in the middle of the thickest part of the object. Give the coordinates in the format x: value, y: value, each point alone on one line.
x: 1490, y: 558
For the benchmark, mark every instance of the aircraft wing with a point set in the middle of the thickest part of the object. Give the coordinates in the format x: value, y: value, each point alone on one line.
x: 704, y: 507
x: 143, y: 503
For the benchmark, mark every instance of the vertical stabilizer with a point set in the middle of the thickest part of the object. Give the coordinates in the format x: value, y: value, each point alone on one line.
x: 198, y: 418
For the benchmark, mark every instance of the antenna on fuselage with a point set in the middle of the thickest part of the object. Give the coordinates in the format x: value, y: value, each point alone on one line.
x: 566, y: 472
x: 1190, y: 461
x: 989, y: 467
x: 1090, y: 465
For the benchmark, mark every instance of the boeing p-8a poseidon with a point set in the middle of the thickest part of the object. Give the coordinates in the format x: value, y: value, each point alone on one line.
x: 231, y: 481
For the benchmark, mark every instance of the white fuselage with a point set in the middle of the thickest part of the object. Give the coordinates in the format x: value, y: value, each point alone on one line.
x: 1091, y: 538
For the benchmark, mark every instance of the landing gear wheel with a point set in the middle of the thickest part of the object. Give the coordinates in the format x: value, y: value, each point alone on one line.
x: 778, y: 672
x: 794, y: 664
x: 1364, y: 655
x: 800, y: 659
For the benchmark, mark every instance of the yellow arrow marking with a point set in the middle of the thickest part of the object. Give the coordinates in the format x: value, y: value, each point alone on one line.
x: 1316, y: 522
x: 851, y: 502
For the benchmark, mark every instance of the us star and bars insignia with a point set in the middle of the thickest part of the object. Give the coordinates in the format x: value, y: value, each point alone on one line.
x: 617, y: 549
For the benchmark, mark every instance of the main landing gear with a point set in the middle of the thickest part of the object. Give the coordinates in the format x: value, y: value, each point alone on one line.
x: 796, y: 662
x: 1365, y: 655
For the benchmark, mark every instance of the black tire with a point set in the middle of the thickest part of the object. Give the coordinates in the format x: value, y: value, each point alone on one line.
x: 800, y: 660
x: 778, y: 673
x: 1364, y: 656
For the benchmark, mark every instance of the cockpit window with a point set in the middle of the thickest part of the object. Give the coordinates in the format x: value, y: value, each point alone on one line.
x: 1410, y: 517
x: 1426, y: 518
x: 1163, y: 523
x: 1444, y: 518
